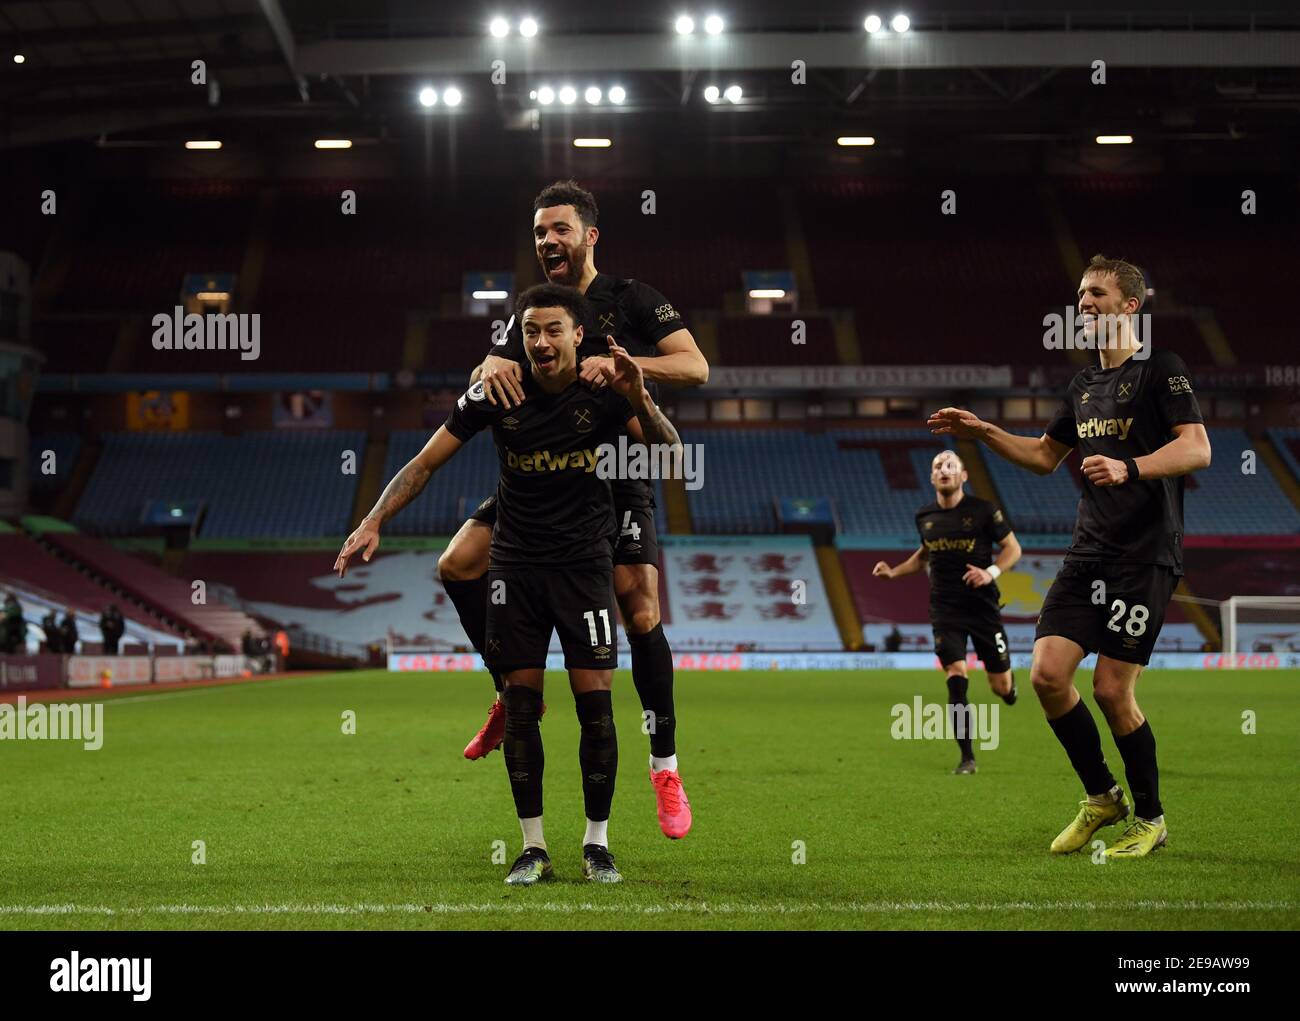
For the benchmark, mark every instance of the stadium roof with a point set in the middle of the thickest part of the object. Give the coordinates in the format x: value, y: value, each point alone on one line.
x: 119, y: 70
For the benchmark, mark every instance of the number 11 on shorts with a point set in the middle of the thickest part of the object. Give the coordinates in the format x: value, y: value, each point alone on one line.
x: 590, y: 618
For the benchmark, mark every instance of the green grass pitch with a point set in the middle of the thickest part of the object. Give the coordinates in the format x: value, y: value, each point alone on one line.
x: 307, y: 827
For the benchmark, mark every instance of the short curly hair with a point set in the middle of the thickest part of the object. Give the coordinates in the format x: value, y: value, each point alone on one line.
x: 569, y: 193
x: 554, y: 296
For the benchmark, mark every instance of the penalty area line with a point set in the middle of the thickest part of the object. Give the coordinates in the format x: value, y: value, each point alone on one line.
x: 668, y: 908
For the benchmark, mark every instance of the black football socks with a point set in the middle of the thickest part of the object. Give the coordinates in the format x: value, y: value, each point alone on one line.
x: 1138, y: 750
x: 597, y: 752
x: 1077, y: 732
x: 960, y: 715
x: 522, y: 747
x: 652, y: 675
x: 470, y: 599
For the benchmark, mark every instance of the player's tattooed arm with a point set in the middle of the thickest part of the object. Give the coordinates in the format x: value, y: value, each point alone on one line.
x: 625, y: 375
x: 406, y: 485
x: 913, y: 564
x: 655, y: 427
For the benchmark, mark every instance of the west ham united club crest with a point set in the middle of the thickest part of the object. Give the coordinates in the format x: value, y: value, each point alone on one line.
x: 584, y: 418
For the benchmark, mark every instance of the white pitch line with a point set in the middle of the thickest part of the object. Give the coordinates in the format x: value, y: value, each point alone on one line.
x: 695, y: 908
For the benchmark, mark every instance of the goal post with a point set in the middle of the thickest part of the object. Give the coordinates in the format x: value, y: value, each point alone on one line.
x: 1260, y: 624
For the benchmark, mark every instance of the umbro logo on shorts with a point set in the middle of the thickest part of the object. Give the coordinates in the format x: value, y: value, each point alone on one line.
x: 602, y: 652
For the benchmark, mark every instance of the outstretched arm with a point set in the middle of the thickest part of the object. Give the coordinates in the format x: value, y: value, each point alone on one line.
x: 406, y: 485
x: 1039, y: 455
x: 680, y: 362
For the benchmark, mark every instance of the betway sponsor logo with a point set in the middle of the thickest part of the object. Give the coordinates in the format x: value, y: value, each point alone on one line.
x: 944, y: 545
x: 74, y: 974
x: 1091, y: 427
x: 545, y: 461
x: 636, y: 461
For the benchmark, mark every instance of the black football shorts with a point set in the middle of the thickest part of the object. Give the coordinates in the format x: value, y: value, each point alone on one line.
x: 486, y: 512
x: 1115, y: 609
x: 984, y: 628
x: 526, y: 604
x: 637, y: 541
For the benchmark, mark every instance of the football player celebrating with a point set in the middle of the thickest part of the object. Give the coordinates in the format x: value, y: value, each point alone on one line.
x: 1135, y: 420
x: 957, y: 536
x: 550, y: 560
x: 644, y: 322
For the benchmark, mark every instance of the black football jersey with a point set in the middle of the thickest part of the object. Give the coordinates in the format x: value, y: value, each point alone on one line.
x: 638, y: 317
x: 1128, y: 411
x: 553, y: 509
x: 954, y: 537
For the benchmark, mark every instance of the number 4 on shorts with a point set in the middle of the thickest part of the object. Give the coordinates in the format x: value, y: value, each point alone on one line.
x: 630, y: 527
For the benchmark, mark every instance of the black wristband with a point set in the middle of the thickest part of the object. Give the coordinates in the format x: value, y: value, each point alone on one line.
x: 1132, y: 466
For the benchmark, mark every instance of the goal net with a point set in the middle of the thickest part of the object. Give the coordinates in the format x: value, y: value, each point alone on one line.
x: 1260, y: 624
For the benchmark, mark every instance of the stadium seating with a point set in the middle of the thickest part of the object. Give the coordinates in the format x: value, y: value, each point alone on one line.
x: 141, y: 238
x: 75, y: 345
x: 1287, y: 442
x: 930, y: 288
x: 1146, y: 220
x: 1036, y: 503
x: 1228, y: 502
x: 272, y: 484
x: 66, y: 446
x: 693, y: 258
x: 155, y: 588
x: 456, y: 344
x: 24, y: 562
x: 766, y: 340
x: 456, y: 490
x: 877, y: 478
